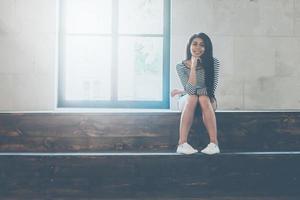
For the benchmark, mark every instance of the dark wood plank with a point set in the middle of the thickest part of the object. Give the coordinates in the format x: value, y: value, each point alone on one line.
x: 59, y: 132
x: 142, y: 176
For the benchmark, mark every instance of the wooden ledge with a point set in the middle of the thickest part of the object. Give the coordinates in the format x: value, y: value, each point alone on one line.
x: 145, y: 154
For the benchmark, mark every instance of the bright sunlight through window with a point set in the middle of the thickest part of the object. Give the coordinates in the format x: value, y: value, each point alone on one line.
x: 114, y: 53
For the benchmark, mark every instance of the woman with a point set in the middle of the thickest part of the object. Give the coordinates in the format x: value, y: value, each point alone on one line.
x: 198, y: 75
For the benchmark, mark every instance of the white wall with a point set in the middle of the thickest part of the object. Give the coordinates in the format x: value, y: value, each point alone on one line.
x: 257, y: 42
x: 27, y: 54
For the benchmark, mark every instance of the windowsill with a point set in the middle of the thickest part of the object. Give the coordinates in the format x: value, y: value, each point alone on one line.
x: 97, y: 110
x: 114, y: 110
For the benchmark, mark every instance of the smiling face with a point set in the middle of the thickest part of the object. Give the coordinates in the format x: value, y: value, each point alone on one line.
x: 197, y: 47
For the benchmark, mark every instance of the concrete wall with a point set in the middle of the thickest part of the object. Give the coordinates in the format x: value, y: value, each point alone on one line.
x: 257, y: 42
x: 27, y: 54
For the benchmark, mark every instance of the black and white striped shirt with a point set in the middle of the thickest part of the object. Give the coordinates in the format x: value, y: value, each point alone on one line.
x: 200, y: 88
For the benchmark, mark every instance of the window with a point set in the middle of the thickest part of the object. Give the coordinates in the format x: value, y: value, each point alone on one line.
x: 114, y: 53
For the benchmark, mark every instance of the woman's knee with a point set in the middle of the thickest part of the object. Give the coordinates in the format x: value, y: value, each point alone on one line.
x: 204, y: 102
x: 192, y: 100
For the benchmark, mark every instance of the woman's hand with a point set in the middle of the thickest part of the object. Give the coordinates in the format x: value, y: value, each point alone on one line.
x: 176, y: 92
x: 194, y: 61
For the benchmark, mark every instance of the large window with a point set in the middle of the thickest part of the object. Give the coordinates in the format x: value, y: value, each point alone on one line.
x: 114, y: 53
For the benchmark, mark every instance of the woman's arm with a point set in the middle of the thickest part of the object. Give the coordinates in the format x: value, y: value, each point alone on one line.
x: 188, y: 81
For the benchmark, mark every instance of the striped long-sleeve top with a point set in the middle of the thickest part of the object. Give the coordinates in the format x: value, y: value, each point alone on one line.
x: 201, y: 87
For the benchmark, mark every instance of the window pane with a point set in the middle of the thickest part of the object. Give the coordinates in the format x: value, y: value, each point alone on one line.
x: 88, y: 16
x: 141, y: 16
x: 140, y: 68
x: 87, y: 64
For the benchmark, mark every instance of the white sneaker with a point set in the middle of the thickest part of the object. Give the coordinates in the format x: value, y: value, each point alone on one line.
x: 185, y: 148
x: 211, y: 149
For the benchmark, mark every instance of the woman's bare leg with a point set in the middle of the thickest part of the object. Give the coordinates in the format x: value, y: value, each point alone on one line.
x: 209, y: 118
x: 187, y: 117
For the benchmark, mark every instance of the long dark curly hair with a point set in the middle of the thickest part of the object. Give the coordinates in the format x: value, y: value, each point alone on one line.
x: 207, y: 61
